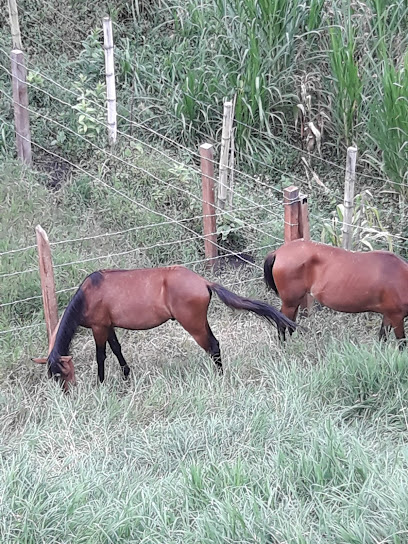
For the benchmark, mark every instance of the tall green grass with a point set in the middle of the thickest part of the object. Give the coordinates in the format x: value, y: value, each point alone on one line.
x: 177, y: 62
x: 347, y: 82
x: 390, y: 126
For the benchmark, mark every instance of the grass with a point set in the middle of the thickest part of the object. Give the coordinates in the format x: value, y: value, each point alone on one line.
x: 302, y: 443
x: 281, y: 449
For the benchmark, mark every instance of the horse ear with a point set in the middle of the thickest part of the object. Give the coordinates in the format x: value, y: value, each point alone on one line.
x: 69, y: 371
x: 66, y: 358
x: 39, y: 360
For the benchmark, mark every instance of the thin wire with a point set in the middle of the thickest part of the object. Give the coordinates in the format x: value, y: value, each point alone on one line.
x: 98, y: 180
x: 258, y: 161
x: 172, y: 221
x: 140, y: 227
x: 147, y: 145
x: 161, y: 136
x: 281, y: 140
x: 4, y: 304
x: 15, y: 329
x: 60, y: 14
x: 10, y: 251
x: 168, y: 157
x: 134, y: 250
x: 192, y: 195
x: 44, y: 27
x: 356, y: 226
x: 231, y: 254
x: 270, y: 135
x: 166, y: 138
x: 127, y: 252
x: 19, y: 273
x: 161, y: 244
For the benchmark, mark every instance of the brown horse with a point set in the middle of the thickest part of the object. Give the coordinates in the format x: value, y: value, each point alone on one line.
x: 144, y: 299
x: 346, y: 281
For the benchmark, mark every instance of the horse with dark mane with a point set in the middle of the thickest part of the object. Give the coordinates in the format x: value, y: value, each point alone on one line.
x: 346, y: 281
x: 143, y: 299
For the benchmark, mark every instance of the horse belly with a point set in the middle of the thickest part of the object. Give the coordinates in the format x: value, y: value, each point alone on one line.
x: 139, y: 316
x: 352, y: 298
x: 135, y: 309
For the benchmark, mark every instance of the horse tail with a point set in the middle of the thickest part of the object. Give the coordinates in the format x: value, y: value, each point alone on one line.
x: 70, y: 321
x: 268, y: 275
x: 258, y: 307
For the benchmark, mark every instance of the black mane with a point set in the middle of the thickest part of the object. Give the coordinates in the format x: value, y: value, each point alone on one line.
x: 69, y: 323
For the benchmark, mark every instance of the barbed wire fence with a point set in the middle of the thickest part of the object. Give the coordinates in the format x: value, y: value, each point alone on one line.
x: 254, y: 229
x: 252, y: 205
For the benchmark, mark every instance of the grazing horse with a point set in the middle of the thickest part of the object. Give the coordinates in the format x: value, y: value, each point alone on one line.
x: 346, y: 281
x: 139, y: 300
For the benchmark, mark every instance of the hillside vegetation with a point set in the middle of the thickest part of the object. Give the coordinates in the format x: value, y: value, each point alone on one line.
x: 302, y: 443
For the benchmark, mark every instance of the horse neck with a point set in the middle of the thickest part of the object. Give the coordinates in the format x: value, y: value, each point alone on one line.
x: 68, y: 325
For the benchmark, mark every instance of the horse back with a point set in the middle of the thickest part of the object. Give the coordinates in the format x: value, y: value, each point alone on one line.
x: 343, y: 280
x: 140, y: 298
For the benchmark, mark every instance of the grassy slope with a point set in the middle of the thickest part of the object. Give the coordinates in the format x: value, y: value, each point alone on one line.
x: 304, y: 444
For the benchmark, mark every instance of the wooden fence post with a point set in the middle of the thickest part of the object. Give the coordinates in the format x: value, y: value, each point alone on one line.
x: 291, y: 213
x: 231, y: 168
x: 225, y: 148
x: 15, y: 27
x: 304, y: 227
x: 47, y: 281
x: 350, y: 179
x: 304, y: 232
x: 20, y: 99
x: 110, y: 79
x: 209, y: 217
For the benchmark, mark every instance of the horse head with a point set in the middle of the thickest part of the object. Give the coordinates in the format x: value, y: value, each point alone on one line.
x: 61, y: 370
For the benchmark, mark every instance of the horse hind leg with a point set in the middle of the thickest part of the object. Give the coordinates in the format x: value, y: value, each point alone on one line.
x: 400, y: 332
x: 291, y: 312
x: 214, y: 351
x: 117, y: 351
x: 396, y: 321
x: 207, y: 341
x: 205, y: 338
x: 385, y: 329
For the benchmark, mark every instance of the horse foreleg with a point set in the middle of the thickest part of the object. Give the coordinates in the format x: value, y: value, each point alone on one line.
x: 100, y: 358
x: 117, y: 350
x: 100, y: 335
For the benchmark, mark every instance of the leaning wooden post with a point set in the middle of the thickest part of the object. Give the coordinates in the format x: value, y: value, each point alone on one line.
x: 350, y: 180
x: 47, y: 281
x: 225, y: 148
x: 291, y: 213
x: 20, y: 99
x: 110, y: 79
x: 15, y: 27
x: 209, y: 218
